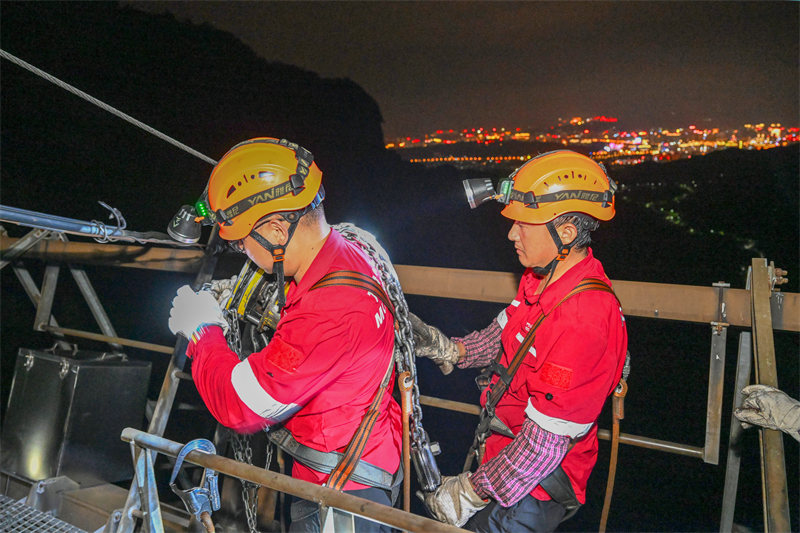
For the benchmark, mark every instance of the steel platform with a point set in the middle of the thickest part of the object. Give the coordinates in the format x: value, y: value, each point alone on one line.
x: 16, y: 517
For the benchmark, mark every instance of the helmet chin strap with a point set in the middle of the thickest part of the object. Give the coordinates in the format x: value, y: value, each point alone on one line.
x: 563, y: 252
x: 278, y: 251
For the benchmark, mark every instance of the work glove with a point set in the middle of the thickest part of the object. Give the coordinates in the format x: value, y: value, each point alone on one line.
x: 221, y: 290
x: 455, y: 501
x: 430, y: 342
x: 771, y: 408
x: 190, y: 310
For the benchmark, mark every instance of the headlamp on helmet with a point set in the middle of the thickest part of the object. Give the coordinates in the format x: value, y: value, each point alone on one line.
x: 550, y: 185
x: 186, y: 225
x: 479, y: 190
x: 205, y: 215
x: 253, y: 179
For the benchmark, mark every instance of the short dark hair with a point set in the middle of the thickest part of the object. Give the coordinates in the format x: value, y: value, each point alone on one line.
x: 315, y: 215
x: 585, y: 225
x: 318, y: 213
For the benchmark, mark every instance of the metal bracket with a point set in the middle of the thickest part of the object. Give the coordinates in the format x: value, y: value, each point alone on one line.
x: 773, y: 471
x: 716, y: 377
x: 148, y: 492
x: 23, y: 245
x: 777, y: 276
x: 722, y: 312
x: 45, y: 495
x: 743, y: 369
x: 45, y: 306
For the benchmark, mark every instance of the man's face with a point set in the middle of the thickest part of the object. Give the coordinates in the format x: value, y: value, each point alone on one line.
x: 533, y: 243
x: 257, y: 253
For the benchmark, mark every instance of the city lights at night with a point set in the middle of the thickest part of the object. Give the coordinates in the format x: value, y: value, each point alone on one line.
x: 598, y: 137
x: 451, y: 176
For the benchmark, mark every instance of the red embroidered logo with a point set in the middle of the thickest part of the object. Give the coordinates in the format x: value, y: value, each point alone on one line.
x: 557, y: 376
x: 283, y: 355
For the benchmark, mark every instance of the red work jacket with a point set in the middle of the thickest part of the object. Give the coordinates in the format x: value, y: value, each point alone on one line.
x: 319, y: 372
x: 574, y: 365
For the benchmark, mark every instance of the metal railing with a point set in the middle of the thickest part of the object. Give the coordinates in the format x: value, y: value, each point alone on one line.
x: 761, y: 308
x: 302, y: 489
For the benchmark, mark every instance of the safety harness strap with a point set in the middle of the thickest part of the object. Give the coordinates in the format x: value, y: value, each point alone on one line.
x: 352, y: 455
x: 559, y: 487
x: 354, y: 278
x: 364, y: 473
x: 497, y: 389
x: 618, y: 412
x: 350, y: 460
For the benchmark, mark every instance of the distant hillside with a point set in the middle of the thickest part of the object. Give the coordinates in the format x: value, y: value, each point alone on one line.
x: 712, y: 214
x: 199, y: 85
x: 61, y: 154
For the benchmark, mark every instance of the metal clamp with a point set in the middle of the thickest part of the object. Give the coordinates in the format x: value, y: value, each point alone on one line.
x: 722, y: 312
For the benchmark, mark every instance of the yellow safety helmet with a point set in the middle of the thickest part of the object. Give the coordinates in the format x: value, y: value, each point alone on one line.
x: 259, y: 177
x: 555, y: 183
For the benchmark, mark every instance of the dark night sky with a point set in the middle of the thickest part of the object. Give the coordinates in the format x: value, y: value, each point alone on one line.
x: 442, y: 65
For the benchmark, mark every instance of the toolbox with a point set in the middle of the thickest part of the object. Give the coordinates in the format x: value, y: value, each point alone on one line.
x: 66, y: 411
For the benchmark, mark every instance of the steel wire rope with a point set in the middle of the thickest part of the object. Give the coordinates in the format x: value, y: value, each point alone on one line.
x: 104, y: 106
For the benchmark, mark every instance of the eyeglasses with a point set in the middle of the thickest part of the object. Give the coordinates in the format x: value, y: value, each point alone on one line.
x: 237, y: 245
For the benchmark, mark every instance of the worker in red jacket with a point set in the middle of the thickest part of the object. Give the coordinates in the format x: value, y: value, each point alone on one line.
x: 571, y: 346
x: 330, y: 357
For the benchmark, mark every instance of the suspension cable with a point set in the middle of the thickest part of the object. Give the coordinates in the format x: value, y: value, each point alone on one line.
x: 105, y: 106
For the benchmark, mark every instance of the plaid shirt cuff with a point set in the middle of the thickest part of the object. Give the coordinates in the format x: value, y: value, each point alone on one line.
x: 480, y: 346
x: 521, y: 465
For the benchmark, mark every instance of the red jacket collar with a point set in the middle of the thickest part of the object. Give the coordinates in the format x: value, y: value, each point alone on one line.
x: 554, y: 291
x: 319, y: 267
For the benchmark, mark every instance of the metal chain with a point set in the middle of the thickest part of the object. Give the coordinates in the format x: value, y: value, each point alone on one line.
x: 404, y: 357
x: 240, y: 444
x: 234, y: 336
x: 243, y: 452
x: 404, y: 338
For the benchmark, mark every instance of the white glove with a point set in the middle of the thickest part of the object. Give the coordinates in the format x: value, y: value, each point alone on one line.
x: 430, y: 342
x: 221, y: 289
x: 771, y: 408
x: 190, y: 310
x: 455, y: 501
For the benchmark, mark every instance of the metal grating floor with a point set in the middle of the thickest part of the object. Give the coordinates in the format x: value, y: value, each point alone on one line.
x: 17, y: 517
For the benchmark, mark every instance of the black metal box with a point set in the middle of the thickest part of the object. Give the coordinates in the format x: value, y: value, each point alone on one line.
x: 66, y: 413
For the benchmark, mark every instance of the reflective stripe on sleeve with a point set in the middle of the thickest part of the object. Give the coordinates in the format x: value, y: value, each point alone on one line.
x: 502, y: 319
x: 253, y: 395
x: 559, y: 426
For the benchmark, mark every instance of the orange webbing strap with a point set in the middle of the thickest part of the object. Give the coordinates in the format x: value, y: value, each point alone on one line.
x: 618, y: 413
x: 498, y: 388
x: 406, y: 385
x: 587, y: 284
x: 355, y: 448
x: 355, y: 279
x: 344, y: 469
